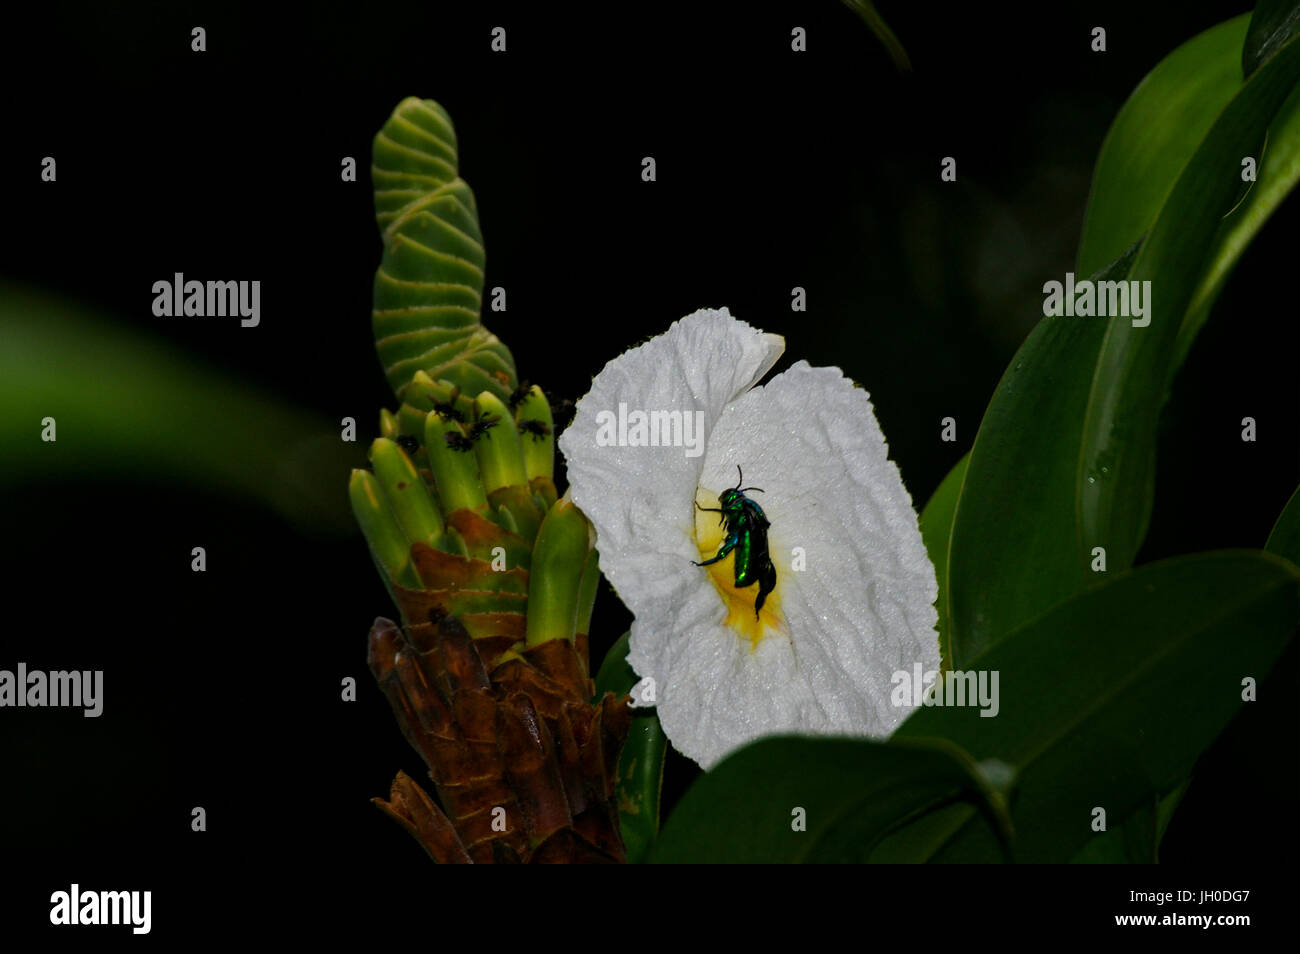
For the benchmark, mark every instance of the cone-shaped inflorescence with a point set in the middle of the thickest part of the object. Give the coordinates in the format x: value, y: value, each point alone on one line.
x: 429, y: 287
x: 495, y: 578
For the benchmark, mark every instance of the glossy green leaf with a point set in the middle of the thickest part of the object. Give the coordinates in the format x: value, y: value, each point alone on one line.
x: 1117, y: 457
x: 641, y: 764
x: 1108, y: 699
x: 1137, y: 840
x: 1064, y: 462
x: 1285, y: 538
x: 936, y: 533
x: 1130, y: 843
x: 1277, y: 173
x: 923, y: 839
x: 848, y: 794
x: 1271, y: 25
x: 1156, y: 133
x: 1015, y: 547
x: 1153, y: 136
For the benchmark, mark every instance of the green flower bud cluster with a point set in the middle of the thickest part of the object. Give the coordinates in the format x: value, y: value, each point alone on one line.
x: 459, y: 505
x: 474, y: 479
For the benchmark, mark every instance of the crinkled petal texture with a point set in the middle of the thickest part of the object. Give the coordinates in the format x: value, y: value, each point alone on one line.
x: 859, y: 609
x: 640, y: 499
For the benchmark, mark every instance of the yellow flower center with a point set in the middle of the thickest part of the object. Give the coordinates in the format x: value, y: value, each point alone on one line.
x: 709, y: 536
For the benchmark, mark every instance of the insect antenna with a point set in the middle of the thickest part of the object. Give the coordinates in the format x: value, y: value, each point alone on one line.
x: 741, y: 479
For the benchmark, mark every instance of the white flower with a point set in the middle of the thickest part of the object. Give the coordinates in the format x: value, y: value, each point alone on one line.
x: 854, y: 595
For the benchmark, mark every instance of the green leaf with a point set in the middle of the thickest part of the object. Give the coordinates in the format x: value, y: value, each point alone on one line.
x: 1117, y: 460
x: 1153, y: 136
x: 936, y: 533
x: 641, y: 764
x: 1108, y: 699
x: 849, y: 793
x: 1064, y: 461
x: 1272, y: 24
x: 1015, y: 545
x: 1156, y: 134
x: 1285, y: 538
x: 1137, y: 840
x: 923, y: 839
x: 1130, y: 843
x: 1277, y: 173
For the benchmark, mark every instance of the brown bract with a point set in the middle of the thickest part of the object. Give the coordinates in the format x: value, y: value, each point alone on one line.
x: 522, y: 761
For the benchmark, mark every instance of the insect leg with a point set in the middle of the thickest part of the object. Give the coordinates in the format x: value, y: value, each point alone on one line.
x: 717, y: 510
x: 727, y: 546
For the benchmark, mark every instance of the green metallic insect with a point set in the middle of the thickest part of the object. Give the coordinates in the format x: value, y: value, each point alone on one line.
x: 747, y: 527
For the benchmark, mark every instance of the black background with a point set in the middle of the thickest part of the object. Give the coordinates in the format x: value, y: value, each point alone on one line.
x: 774, y: 170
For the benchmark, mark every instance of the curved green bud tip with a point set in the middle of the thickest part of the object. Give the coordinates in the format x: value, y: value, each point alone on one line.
x: 441, y: 397
x: 455, y: 472
x: 555, y: 579
x: 537, y: 432
x: 387, y: 542
x: 414, y: 153
x: 404, y: 489
x: 421, y: 392
x: 388, y: 424
x: 428, y: 294
x: 500, y: 456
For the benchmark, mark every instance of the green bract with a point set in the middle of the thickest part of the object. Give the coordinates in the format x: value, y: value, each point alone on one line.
x: 429, y: 287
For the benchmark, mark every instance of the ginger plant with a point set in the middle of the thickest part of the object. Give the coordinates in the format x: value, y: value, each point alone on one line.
x: 494, y: 574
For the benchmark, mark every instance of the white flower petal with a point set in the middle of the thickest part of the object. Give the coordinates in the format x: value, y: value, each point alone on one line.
x: 701, y: 363
x: 861, y: 609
